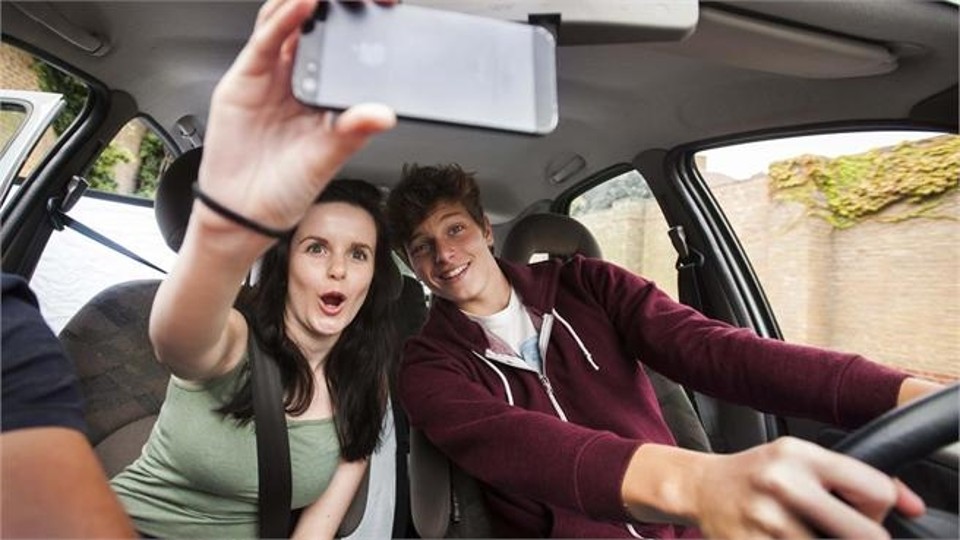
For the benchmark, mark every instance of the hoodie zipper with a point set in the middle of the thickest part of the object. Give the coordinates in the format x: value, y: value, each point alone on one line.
x: 549, y: 388
x: 546, y: 329
x: 491, y: 359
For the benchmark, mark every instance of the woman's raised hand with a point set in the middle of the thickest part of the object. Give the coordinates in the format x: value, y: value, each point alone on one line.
x: 267, y: 156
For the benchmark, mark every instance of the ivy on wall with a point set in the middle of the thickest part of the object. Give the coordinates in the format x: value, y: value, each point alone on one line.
x: 152, y: 159
x: 847, y: 189
x: 102, y: 175
x: 51, y: 79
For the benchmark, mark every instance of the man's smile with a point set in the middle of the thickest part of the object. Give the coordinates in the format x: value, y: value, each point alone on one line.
x: 453, y: 273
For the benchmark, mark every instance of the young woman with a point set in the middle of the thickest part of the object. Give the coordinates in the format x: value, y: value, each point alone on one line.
x: 320, y: 308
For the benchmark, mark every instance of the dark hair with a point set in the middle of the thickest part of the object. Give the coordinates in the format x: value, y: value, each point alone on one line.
x: 360, y: 364
x: 421, y: 189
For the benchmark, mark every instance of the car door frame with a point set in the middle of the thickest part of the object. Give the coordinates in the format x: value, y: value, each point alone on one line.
x: 25, y: 225
x: 40, y: 108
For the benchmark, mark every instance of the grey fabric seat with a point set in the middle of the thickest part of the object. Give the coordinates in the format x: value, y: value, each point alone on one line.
x: 558, y: 235
x: 446, y: 502
x: 122, y: 382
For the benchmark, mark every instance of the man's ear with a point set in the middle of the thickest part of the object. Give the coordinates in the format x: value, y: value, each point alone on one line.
x: 488, y: 231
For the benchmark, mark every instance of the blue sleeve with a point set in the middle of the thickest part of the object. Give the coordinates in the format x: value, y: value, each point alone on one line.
x: 39, y: 381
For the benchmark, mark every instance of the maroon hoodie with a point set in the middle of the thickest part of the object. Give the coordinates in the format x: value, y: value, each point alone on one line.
x: 551, y: 451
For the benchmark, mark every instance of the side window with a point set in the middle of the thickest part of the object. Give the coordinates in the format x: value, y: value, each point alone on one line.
x: 12, y: 117
x: 118, y: 205
x: 854, y: 237
x: 40, y: 83
x: 626, y: 221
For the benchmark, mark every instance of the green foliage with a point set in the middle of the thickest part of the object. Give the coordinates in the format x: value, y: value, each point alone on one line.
x: 848, y: 189
x: 152, y: 155
x: 101, y: 176
x: 74, y: 92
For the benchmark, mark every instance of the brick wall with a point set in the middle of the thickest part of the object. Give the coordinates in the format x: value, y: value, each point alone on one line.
x: 129, y: 137
x: 15, y: 70
x: 840, y: 289
x: 633, y: 234
x: 887, y: 290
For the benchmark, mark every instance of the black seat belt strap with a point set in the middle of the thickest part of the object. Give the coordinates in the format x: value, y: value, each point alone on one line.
x: 688, y: 260
x: 689, y: 291
x: 61, y: 220
x: 273, y: 446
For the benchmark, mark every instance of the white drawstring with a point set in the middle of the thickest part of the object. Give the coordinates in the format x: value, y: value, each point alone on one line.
x: 576, y: 338
x: 634, y: 531
x: 503, y: 378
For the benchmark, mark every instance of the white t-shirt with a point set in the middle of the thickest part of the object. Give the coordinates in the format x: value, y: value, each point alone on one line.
x: 513, y: 327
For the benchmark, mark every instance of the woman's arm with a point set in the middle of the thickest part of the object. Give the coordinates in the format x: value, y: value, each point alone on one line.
x: 266, y: 157
x: 322, y: 518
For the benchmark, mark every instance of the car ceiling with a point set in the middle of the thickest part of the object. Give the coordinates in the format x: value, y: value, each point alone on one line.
x: 615, y: 99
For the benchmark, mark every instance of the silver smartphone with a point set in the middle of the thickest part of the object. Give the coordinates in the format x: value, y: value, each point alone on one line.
x: 429, y: 64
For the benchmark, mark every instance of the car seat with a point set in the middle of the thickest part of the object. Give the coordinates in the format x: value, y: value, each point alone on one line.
x: 559, y: 235
x: 445, y: 501
x: 122, y: 382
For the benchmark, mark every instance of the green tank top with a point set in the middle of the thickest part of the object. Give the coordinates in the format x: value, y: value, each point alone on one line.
x: 197, y: 475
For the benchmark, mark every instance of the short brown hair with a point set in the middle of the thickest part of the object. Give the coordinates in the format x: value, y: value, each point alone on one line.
x: 421, y: 189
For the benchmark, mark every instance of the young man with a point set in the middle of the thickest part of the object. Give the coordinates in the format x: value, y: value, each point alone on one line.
x: 529, y: 378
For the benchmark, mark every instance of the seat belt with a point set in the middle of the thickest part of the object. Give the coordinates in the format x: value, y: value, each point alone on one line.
x: 401, y: 509
x: 690, y: 294
x: 61, y: 220
x: 273, y: 446
x: 58, y: 207
x: 688, y: 260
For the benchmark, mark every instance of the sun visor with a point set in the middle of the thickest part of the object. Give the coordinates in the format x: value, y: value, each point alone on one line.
x: 764, y: 45
x: 590, y: 22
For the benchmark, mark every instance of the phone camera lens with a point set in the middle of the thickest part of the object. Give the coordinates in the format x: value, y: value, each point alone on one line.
x: 308, y: 85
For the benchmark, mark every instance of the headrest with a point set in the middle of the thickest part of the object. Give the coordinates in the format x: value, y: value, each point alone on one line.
x: 555, y: 234
x: 174, y: 202
x: 174, y: 199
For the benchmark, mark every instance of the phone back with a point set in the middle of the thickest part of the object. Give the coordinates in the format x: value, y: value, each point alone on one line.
x: 431, y: 65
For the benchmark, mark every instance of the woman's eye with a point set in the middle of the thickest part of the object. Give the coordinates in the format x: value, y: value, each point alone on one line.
x: 316, y: 248
x: 360, y: 254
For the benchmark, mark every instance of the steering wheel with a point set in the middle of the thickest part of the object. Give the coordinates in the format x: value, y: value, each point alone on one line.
x: 904, y: 435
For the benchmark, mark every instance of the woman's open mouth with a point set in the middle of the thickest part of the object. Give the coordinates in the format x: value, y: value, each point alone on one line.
x: 332, y: 302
